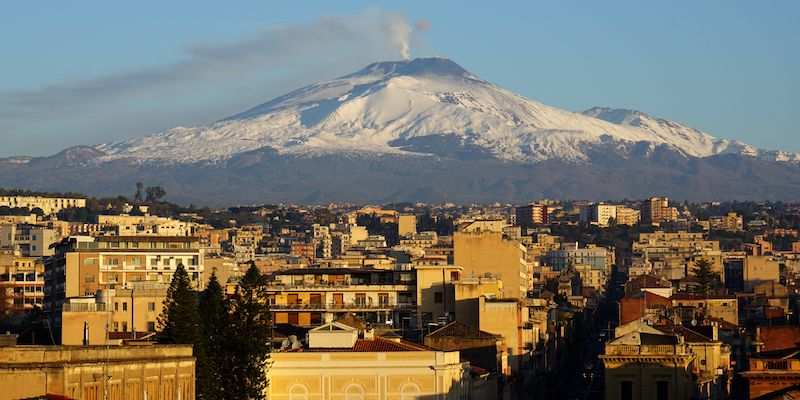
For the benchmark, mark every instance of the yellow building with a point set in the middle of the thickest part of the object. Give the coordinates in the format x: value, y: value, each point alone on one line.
x: 648, y: 364
x: 50, y: 205
x: 725, y: 307
x: 336, y: 364
x: 310, y: 297
x: 483, y: 250
x: 153, y: 372
x: 406, y: 225
x: 436, y: 298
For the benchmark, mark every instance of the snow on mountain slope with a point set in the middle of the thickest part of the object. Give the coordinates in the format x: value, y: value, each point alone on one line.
x: 418, y: 107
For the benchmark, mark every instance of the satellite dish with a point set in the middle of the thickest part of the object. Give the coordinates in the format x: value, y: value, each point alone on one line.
x: 285, y: 344
x: 389, y: 322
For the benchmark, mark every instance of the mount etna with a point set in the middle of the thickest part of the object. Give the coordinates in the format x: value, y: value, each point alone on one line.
x: 421, y: 130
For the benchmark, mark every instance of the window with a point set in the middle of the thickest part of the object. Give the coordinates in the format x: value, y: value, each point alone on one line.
x: 124, y: 306
x: 89, y: 261
x: 454, y: 276
x: 626, y: 390
x: 88, y: 278
x: 294, y: 318
x: 136, y: 261
x: 151, y: 306
x: 438, y: 297
x: 662, y: 390
x: 116, y: 326
x: 151, y: 326
x: 124, y: 326
x: 116, y: 306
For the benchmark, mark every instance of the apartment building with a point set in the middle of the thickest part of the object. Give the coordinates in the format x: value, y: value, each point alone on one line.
x: 21, y: 281
x: 31, y: 240
x: 313, y: 296
x: 673, y: 254
x: 730, y: 222
x: 656, y: 210
x: 529, y: 215
x: 84, y: 265
x: 482, y: 250
x: 569, y: 255
x: 50, y: 205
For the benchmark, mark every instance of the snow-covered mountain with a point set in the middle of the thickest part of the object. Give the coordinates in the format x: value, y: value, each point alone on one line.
x: 421, y: 107
x: 422, y: 130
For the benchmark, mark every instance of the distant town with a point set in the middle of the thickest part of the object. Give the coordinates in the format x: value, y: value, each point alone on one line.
x: 134, y: 297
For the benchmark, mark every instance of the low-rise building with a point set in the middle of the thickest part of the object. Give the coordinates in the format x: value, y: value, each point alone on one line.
x: 97, y: 372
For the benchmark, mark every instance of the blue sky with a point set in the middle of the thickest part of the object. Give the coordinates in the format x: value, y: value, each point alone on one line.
x: 96, y: 71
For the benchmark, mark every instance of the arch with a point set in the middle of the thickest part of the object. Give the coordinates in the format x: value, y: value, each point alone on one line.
x: 298, y: 391
x: 354, y: 391
x: 410, y: 391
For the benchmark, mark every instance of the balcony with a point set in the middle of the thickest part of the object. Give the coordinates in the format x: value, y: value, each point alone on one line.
x: 355, y: 306
x: 339, y: 286
x: 646, y: 350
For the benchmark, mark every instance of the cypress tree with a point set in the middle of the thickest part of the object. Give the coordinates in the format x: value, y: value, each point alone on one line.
x: 213, y: 310
x: 707, y: 280
x: 248, y: 341
x: 179, y: 322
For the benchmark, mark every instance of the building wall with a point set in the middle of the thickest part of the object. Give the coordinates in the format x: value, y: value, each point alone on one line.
x: 406, y: 225
x: 78, y: 372
x: 481, y: 253
x: 367, y: 375
x: 50, y: 205
x: 760, y: 269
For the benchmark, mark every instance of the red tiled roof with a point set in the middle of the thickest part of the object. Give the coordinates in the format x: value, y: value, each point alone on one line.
x: 778, y: 337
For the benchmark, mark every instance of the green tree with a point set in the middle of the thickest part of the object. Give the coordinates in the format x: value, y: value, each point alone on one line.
x: 214, y: 327
x: 249, y: 339
x: 179, y: 322
x: 707, y: 280
x: 155, y: 193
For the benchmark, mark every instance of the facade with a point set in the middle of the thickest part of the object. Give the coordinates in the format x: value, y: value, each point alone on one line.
x: 163, y: 372
x: 50, y: 205
x: 598, y: 258
x: 435, y: 284
x: 531, y: 214
x: 602, y: 214
x: 21, y: 281
x: 648, y: 364
x: 406, y: 225
x: 30, y: 240
x: 488, y: 252
x: 311, y: 297
x: 730, y: 222
x: 341, y: 363
x: 84, y: 266
x: 656, y: 210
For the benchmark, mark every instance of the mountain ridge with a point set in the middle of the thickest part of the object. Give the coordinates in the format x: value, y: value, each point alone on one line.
x: 418, y: 130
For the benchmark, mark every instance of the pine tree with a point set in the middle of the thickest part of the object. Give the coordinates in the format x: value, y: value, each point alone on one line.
x: 249, y: 339
x: 707, y: 279
x: 179, y: 323
x: 213, y: 310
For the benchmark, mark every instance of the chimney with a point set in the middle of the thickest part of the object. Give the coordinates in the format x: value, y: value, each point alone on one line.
x: 369, y: 333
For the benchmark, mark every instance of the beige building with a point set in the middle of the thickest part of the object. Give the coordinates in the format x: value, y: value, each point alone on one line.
x: 725, y: 307
x: 84, y: 266
x: 729, y: 222
x: 50, y: 205
x: 154, y: 372
x: 508, y: 318
x: 406, y: 225
x: 760, y: 269
x: 30, y: 240
x: 341, y: 363
x: 21, y: 281
x: 657, y: 210
x: 602, y: 214
x: 648, y: 364
x: 436, y: 298
x: 483, y: 250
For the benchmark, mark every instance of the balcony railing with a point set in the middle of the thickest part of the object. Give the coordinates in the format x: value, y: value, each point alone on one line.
x: 631, y: 350
x: 340, y: 306
x: 338, y: 285
x: 83, y: 307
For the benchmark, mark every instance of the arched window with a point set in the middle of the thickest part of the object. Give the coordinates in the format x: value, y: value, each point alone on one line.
x: 409, y: 391
x: 354, y: 391
x: 298, y: 392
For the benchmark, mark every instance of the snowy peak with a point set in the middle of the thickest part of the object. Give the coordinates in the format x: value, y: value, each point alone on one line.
x: 415, y: 67
x: 425, y: 107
